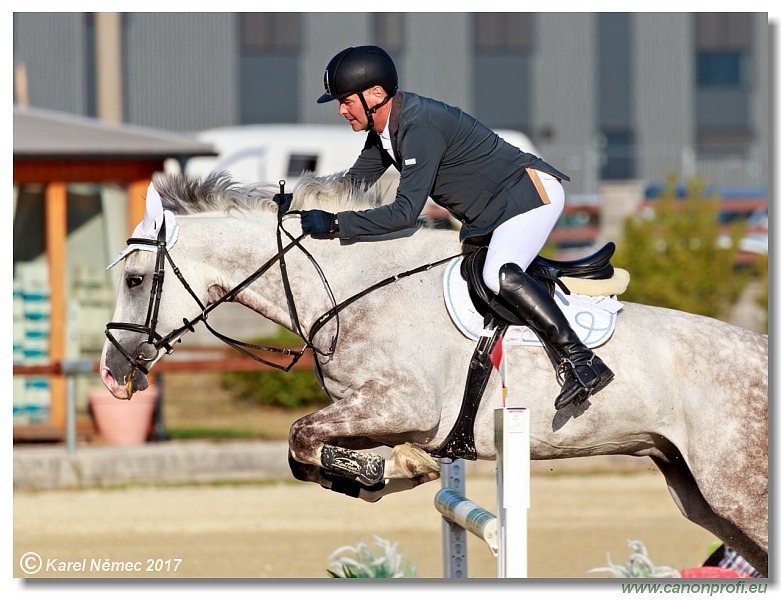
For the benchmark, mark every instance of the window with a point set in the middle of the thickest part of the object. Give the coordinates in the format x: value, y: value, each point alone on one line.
x: 502, y: 69
x: 725, y: 69
x: 615, y: 106
x: 269, y: 56
x: 263, y: 32
x: 503, y: 31
x: 389, y: 31
x: 298, y: 163
x: 723, y: 59
x: 91, y: 77
x: 617, y: 155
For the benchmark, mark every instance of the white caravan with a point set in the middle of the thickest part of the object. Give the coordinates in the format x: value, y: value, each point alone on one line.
x: 273, y: 152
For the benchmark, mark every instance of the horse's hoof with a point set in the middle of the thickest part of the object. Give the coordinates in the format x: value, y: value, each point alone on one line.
x: 413, y: 461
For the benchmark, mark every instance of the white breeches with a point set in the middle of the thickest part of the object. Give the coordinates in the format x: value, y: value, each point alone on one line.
x: 520, y: 239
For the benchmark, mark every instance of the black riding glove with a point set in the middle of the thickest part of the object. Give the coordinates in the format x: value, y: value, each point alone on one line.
x: 283, y: 201
x: 319, y: 224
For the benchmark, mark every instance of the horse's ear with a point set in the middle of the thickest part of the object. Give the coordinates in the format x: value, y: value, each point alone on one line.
x: 153, y: 215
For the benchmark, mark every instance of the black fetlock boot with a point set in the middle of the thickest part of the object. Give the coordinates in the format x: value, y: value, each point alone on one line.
x: 580, y: 372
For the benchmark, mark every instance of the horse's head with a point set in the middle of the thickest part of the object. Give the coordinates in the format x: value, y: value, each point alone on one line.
x: 142, y: 325
x: 181, y: 260
x: 128, y: 353
x: 167, y: 278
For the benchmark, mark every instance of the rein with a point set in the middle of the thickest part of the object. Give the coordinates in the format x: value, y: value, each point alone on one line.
x: 156, y: 341
x: 334, y: 312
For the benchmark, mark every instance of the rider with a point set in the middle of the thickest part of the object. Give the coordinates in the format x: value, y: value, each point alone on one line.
x: 495, y: 190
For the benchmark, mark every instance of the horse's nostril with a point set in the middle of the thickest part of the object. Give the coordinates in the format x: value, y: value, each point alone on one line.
x: 107, y: 377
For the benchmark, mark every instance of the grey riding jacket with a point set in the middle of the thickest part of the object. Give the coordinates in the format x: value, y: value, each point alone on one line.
x: 443, y: 153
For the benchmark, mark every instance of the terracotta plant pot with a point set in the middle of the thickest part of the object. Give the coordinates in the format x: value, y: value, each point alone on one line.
x: 123, y: 422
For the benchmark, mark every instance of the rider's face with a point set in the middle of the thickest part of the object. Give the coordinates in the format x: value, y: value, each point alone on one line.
x: 350, y: 108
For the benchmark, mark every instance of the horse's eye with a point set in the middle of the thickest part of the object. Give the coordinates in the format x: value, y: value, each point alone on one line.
x: 134, y: 280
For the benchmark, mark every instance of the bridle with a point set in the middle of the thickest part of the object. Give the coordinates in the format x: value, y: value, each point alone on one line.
x: 148, y: 351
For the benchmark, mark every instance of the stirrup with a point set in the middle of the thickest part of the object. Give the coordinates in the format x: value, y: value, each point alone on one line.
x: 577, y: 397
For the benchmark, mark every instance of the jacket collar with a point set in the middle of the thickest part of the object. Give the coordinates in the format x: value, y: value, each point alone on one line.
x: 395, y: 115
x: 393, y: 122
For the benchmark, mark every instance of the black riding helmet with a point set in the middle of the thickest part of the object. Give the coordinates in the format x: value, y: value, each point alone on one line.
x: 356, y: 69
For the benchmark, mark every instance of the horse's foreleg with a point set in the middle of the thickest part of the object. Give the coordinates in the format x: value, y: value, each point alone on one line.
x: 328, y: 439
x: 352, y: 488
x: 405, y: 460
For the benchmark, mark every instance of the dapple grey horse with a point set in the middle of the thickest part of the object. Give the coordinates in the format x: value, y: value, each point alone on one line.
x: 690, y: 392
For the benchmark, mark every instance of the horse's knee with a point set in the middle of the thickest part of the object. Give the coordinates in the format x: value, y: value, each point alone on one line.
x: 302, y: 443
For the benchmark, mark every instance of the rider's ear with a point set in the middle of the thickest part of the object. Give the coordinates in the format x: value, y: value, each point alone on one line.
x: 378, y: 92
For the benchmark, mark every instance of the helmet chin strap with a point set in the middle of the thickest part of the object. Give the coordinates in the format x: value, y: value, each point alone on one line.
x: 370, y: 111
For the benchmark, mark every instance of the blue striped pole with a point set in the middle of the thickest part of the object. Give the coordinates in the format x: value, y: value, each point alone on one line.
x: 472, y: 517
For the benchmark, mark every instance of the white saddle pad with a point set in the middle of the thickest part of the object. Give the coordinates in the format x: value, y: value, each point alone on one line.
x: 592, y: 317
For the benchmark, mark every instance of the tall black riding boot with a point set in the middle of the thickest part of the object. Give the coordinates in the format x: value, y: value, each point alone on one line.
x: 580, y: 372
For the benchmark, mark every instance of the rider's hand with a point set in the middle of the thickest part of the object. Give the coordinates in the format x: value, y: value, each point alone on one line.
x: 283, y: 201
x: 319, y: 224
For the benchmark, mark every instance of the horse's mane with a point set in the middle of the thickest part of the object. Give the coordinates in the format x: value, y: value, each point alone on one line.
x: 218, y: 192
x: 333, y: 193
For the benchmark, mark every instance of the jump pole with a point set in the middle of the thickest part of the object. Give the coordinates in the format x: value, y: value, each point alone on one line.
x: 505, y: 535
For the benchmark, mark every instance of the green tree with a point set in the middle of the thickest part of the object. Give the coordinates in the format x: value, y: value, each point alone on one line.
x: 677, y: 256
x: 762, y: 273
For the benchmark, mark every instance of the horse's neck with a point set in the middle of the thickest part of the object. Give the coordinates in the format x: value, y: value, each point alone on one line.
x: 229, y: 250
x: 349, y: 270
x: 346, y: 269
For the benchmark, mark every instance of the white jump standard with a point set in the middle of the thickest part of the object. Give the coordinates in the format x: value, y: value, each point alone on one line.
x: 505, y: 535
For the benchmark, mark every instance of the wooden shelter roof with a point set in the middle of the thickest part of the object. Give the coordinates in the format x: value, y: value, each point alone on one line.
x: 41, y: 134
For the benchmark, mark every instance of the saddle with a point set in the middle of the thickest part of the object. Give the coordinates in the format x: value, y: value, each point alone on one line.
x: 497, y: 318
x: 546, y: 271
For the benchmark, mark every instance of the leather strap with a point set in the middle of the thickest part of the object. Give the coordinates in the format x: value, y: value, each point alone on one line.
x: 460, y: 442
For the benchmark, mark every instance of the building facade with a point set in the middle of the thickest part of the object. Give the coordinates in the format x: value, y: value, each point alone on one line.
x: 605, y: 96
x: 619, y: 101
